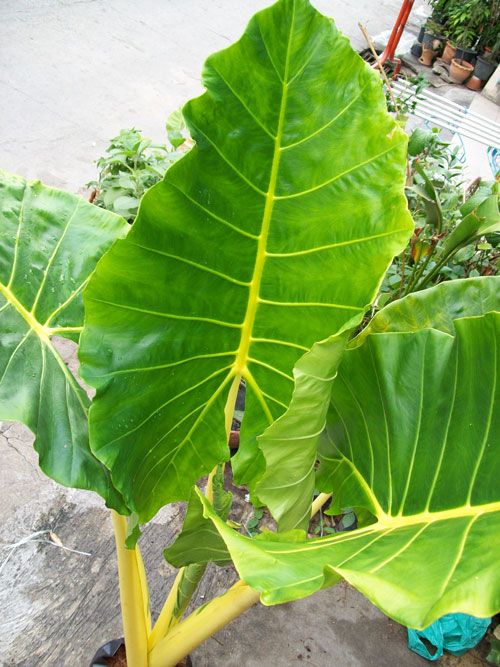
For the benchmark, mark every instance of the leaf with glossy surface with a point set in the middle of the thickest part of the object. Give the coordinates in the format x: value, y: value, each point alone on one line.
x: 50, y: 242
x: 199, y: 541
x: 269, y: 235
x: 290, y: 444
x: 413, y: 425
x: 437, y: 307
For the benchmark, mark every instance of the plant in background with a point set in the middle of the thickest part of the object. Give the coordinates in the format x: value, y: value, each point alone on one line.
x: 466, y: 20
x: 405, y: 103
x: 456, y: 233
x: 132, y: 165
x: 440, y: 10
x: 272, y: 233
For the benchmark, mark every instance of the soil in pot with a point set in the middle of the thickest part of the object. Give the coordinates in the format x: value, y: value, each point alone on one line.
x: 448, y: 53
x: 120, y: 660
x: 484, y: 68
x: 469, y: 55
x: 460, y: 70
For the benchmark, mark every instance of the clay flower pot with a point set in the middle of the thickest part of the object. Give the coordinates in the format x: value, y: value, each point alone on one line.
x: 474, y: 83
x: 460, y: 70
x: 427, y: 57
x: 449, y: 52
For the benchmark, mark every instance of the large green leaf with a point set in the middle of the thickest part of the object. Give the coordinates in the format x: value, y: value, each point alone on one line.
x: 269, y: 235
x: 290, y: 444
x: 413, y: 437
x: 437, y: 307
x: 50, y: 242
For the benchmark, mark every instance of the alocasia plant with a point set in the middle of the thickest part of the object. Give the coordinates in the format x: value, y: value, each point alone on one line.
x: 273, y: 233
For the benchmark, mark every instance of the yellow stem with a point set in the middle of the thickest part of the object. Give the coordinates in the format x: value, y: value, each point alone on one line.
x: 201, y: 624
x: 319, y: 502
x: 164, y: 620
x: 131, y: 597
x: 144, y: 588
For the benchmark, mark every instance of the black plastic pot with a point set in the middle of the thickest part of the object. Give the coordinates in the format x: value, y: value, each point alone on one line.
x: 484, y: 68
x: 107, y: 651
x: 469, y: 55
x: 420, y: 37
x: 111, y: 649
x: 416, y: 50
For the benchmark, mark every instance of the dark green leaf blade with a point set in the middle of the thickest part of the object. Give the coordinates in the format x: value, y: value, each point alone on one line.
x: 270, y: 234
x: 50, y: 242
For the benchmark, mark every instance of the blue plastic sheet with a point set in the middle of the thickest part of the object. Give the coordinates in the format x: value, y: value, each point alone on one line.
x: 455, y: 633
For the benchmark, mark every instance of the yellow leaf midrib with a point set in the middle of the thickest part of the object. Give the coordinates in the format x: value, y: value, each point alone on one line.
x: 44, y: 333
x: 240, y: 368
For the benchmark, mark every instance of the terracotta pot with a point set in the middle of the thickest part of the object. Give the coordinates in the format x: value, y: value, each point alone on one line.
x: 448, y: 53
x: 427, y: 57
x: 460, y: 70
x: 474, y: 83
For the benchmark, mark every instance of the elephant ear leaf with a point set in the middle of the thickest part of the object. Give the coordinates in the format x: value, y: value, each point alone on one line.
x: 270, y: 234
x: 413, y: 437
x: 50, y: 242
x: 290, y: 445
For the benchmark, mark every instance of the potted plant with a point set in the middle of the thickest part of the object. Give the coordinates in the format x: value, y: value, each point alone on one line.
x: 432, y: 42
x: 449, y: 51
x: 299, y: 171
x: 486, y: 64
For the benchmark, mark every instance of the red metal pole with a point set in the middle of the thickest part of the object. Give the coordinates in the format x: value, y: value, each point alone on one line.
x: 397, y: 31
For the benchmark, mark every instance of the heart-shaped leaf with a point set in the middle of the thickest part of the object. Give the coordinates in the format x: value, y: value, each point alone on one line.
x: 412, y: 437
x: 50, y: 242
x: 290, y: 444
x: 270, y: 234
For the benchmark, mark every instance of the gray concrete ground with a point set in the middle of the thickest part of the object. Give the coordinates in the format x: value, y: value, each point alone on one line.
x: 72, y: 73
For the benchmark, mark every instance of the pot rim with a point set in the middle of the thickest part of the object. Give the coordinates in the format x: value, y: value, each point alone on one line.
x: 462, y: 65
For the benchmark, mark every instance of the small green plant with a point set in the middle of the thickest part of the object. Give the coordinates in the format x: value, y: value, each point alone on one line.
x: 439, y: 205
x: 131, y: 165
x: 405, y: 102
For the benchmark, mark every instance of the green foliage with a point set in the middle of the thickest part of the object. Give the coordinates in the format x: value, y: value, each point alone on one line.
x: 132, y: 165
x: 465, y: 20
x: 429, y: 481
x: 256, y: 258
x: 405, y: 103
x: 297, y: 173
x: 50, y: 243
x: 453, y: 238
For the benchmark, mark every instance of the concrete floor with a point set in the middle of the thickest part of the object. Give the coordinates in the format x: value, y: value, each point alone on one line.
x: 73, y: 73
